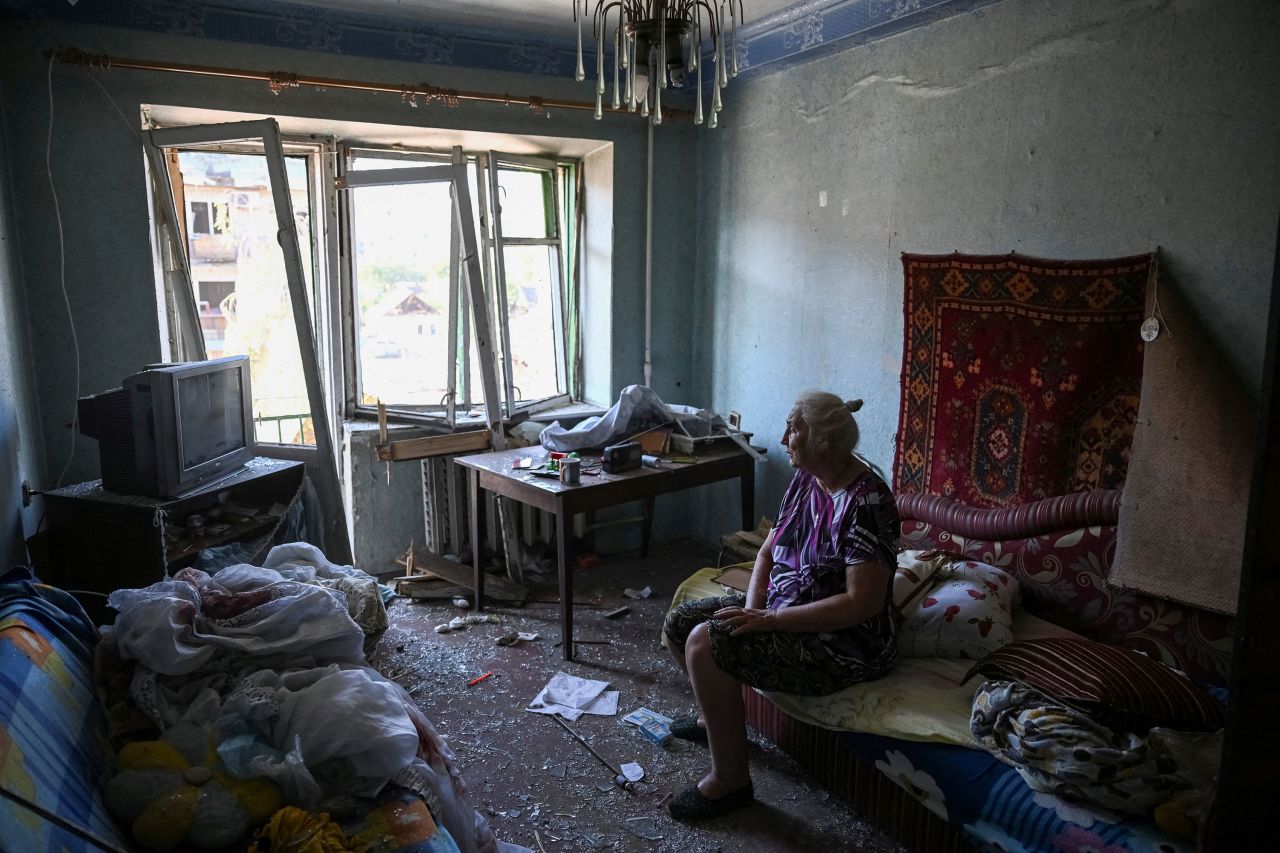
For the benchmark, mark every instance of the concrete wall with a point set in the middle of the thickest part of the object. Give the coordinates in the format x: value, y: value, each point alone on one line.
x: 20, y: 445
x: 1065, y: 130
x: 1086, y: 129
x: 98, y: 166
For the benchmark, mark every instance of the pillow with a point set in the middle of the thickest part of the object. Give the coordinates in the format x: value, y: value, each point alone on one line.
x: 916, y: 572
x: 1123, y: 689
x: 967, y: 614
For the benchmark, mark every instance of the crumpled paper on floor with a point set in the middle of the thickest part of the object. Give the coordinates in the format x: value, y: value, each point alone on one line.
x: 571, y: 697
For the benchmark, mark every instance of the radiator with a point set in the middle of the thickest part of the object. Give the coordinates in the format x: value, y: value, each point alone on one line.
x: 446, y: 502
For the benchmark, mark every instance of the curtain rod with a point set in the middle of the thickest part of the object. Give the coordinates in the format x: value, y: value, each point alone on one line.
x: 278, y: 81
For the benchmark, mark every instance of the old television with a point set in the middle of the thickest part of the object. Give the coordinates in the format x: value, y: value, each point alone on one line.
x: 172, y: 428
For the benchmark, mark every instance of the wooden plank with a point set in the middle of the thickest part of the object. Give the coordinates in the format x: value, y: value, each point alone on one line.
x: 445, y: 591
x: 458, y: 574
x: 434, y: 445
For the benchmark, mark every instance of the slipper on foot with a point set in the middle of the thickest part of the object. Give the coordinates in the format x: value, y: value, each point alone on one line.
x: 691, y: 805
x: 687, y: 728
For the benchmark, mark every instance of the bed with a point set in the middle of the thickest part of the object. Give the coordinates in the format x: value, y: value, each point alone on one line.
x: 224, y: 693
x: 900, y: 750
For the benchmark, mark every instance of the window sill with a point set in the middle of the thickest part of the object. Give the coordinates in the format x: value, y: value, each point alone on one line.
x: 568, y: 415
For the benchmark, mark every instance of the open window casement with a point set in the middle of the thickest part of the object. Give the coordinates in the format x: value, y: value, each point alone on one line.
x: 410, y: 334
x: 407, y: 328
x: 186, y: 342
x: 526, y: 237
x: 277, y: 205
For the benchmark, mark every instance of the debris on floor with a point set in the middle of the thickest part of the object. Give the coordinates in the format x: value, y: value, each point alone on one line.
x: 541, y: 790
x: 571, y: 697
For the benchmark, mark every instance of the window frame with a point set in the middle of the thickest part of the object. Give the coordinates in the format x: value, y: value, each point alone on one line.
x: 431, y: 167
x: 194, y: 217
x: 482, y: 166
x: 500, y: 242
x: 332, y: 288
x: 320, y: 458
x: 315, y: 151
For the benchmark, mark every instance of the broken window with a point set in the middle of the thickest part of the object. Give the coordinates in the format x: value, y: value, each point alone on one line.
x: 238, y: 280
x: 275, y: 277
x: 410, y: 335
x: 384, y: 282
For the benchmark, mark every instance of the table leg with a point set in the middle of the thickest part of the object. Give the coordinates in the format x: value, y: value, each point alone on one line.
x: 564, y: 562
x: 646, y: 526
x: 477, y: 569
x: 747, y: 484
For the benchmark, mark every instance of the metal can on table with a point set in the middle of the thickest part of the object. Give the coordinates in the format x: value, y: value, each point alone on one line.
x: 571, y: 471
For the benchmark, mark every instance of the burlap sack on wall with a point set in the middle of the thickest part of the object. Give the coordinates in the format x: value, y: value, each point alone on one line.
x: 1185, y: 500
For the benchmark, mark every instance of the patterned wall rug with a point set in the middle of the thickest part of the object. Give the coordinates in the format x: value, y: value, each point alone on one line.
x: 1020, y: 376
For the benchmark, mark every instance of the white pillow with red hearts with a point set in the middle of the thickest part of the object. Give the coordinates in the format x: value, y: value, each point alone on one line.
x: 967, y: 614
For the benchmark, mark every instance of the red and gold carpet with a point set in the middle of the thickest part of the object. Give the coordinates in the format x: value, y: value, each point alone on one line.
x: 1020, y: 376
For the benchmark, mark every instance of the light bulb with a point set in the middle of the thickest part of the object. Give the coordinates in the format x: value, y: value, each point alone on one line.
x: 581, y: 72
x: 600, y: 60
x: 617, y: 43
x: 662, y: 54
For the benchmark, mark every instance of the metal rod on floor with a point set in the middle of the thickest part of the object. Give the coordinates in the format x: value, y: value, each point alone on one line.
x: 618, y: 779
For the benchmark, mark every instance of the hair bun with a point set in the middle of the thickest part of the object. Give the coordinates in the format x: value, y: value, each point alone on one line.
x: 853, y: 405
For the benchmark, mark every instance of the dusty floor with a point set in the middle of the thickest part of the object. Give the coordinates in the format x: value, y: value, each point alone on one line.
x: 542, y: 789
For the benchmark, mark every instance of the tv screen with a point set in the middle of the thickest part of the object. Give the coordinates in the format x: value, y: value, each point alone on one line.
x: 210, y: 407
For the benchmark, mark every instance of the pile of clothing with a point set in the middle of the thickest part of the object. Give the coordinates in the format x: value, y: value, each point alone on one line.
x: 270, y: 662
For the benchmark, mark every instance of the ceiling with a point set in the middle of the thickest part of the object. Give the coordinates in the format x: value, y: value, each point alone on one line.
x: 521, y: 36
x: 545, y: 16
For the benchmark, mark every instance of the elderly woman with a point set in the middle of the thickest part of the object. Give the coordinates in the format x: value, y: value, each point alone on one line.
x: 817, y: 616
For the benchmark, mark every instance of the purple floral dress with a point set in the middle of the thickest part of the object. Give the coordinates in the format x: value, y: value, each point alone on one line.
x: 817, y: 537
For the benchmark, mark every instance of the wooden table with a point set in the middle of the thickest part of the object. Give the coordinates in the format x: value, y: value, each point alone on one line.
x: 494, y: 472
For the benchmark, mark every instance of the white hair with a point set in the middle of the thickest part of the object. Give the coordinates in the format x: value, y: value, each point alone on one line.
x: 832, y: 429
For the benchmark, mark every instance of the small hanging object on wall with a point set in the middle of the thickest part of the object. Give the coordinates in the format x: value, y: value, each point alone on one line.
x: 1153, y: 325
x: 1150, y: 329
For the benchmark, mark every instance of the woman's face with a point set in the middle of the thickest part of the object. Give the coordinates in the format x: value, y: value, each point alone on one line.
x: 796, y: 439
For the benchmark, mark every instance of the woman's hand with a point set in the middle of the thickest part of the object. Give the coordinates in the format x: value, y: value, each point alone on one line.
x: 744, y: 620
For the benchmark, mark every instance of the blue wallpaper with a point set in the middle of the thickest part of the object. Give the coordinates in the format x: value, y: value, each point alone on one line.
x: 792, y: 35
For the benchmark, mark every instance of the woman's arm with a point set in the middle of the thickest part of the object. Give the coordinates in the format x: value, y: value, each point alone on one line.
x: 866, y: 584
x: 758, y: 589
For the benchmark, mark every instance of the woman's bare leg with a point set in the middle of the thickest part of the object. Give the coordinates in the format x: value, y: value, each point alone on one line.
x: 720, y: 696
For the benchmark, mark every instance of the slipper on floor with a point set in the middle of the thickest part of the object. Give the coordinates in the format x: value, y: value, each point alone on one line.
x: 687, y: 728
x: 690, y: 805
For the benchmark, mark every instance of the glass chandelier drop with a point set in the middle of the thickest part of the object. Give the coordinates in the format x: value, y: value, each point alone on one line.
x: 659, y: 43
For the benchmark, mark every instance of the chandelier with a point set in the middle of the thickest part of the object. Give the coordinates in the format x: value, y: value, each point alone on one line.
x: 662, y: 36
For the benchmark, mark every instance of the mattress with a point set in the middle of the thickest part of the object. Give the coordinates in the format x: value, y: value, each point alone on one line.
x: 921, y: 699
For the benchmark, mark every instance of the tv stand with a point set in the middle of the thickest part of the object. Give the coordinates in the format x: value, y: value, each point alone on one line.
x: 102, y: 541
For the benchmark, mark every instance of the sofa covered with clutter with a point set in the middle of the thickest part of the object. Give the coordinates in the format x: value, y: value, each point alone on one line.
x: 219, y: 711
